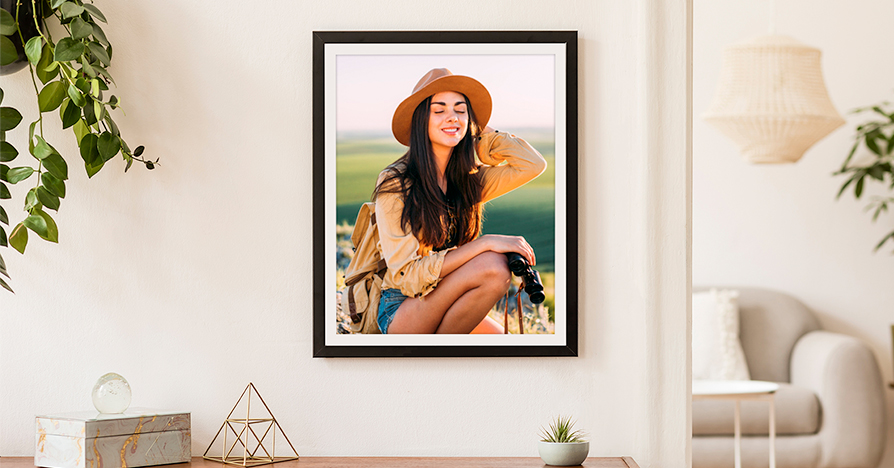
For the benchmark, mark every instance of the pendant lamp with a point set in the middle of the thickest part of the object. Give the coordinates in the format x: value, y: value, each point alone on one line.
x: 772, y: 100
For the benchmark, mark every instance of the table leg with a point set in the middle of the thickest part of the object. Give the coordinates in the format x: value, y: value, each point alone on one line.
x: 738, y: 441
x: 772, y: 431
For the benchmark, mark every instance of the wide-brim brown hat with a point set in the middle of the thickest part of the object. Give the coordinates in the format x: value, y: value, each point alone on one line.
x: 436, y: 81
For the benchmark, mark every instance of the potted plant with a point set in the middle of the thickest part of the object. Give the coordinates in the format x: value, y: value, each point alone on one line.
x: 561, y: 445
x: 70, y: 76
x: 877, y: 136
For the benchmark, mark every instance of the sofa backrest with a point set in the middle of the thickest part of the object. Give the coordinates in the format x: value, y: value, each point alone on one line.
x: 770, y: 323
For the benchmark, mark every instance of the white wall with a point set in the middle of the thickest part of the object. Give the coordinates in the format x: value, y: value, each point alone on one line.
x: 194, y: 279
x: 780, y: 226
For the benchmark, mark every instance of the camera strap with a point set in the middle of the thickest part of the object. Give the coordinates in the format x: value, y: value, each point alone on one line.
x: 518, y: 308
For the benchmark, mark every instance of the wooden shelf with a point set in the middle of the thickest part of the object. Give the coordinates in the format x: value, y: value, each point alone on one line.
x: 382, y: 462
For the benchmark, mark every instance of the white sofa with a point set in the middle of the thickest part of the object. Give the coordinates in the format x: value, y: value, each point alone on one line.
x: 830, y: 408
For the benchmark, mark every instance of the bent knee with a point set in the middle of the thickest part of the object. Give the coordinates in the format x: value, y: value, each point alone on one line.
x: 493, y: 267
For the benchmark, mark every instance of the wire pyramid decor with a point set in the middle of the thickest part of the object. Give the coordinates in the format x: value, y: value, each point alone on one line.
x: 772, y: 100
x: 251, y: 433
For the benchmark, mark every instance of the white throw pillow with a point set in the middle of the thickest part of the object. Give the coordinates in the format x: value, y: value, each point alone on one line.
x: 716, y: 350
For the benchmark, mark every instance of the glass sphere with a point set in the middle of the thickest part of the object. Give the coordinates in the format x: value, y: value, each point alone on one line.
x: 111, y: 394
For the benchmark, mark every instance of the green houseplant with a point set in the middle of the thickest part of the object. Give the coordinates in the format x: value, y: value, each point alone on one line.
x: 877, y: 135
x: 70, y: 77
x: 561, y: 445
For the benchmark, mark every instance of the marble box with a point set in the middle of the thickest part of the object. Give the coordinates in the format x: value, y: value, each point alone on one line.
x: 137, y: 437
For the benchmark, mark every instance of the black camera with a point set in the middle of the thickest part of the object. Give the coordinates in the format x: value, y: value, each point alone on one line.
x: 531, y: 279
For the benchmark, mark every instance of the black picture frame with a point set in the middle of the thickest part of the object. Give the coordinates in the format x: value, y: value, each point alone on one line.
x: 326, y: 47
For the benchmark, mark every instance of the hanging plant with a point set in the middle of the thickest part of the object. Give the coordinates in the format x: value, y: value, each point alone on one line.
x: 877, y: 136
x: 70, y: 77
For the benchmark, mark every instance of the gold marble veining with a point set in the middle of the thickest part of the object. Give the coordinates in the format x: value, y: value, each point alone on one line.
x: 41, y: 439
x: 134, y: 439
x: 97, y: 458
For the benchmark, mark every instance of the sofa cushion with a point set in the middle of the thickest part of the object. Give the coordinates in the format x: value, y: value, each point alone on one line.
x: 770, y: 323
x: 716, y: 351
x: 797, y: 412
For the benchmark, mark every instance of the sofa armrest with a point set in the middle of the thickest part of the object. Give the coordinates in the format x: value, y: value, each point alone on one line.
x: 844, y: 374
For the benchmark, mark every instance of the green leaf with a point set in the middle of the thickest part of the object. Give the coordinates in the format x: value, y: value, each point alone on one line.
x: 4, y: 170
x: 113, y: 127
x: 7, y: 151
x: 92, y: 169
x: 8, y: 52
x: 94, y: 12
x: 42, y: 149
x: 18, y: 174
x: 100, y: 35
x: 68, y: 49
x: 37, y: 224
x: 3, y: 217
x: 94, y: 88
x: 76, y: 97
x: 57, y: 3
x: 100, y: 53
x: 90, y: 111
x: 53, y: 184
x: 890, y: 236
x: 7, y: 23
x: 71, y: 9
x: 1, y: 96
x: 858, y: 190
x: 43, y: 70
x: 80, y: 29
x: 88, y: 69
x: 31, y: 199
x: 81, y: 130
x: 51, y: 96
x: 870, y: 141
x: 82, y: 85
x: 99, y: 110
x: 70, y: 113
x: 9, y: 118
x: 89, y: 153
x: 6, y: 286
x: 19, y: 238
x: 33, y: 48
x: 52, y: 230
x: 108, y: 146
x: 48, y: 199
x: 4, y: 192
x: 57, y: 166
x: 3, y: 243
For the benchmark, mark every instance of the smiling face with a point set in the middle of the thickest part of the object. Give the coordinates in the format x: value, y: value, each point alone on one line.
x: 448, y: 121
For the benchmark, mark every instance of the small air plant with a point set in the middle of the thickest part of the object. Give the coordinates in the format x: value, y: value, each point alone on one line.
x: 561, y: 431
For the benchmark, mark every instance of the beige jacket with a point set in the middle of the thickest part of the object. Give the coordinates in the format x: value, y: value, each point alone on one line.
x: 415, y: 269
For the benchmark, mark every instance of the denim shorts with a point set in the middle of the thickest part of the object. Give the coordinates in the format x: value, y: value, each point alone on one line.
x: 388, y: 305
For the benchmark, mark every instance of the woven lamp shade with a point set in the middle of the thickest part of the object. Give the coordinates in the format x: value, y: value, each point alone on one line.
x: 772, y: 100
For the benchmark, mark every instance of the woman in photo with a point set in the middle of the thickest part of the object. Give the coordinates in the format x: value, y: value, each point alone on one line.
x: 443, y: 277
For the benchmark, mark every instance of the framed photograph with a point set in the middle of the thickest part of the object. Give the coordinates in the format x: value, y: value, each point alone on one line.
x: 436, y: 156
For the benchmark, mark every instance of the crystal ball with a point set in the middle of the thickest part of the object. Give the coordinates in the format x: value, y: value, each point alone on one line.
x: 111, y: 394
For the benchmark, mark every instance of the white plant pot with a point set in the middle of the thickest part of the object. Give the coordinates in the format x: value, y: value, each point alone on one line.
x: 563, y: 454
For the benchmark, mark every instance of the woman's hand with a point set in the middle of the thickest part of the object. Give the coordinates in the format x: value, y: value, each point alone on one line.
x: 506, y: 244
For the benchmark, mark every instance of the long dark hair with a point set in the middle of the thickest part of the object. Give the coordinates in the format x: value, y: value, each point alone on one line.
x: 415, y: 177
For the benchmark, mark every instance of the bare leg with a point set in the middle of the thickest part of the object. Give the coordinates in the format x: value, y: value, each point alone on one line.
x: 460, y: 302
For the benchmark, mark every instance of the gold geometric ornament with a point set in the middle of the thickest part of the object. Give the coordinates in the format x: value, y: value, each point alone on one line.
x: 772, y: 100
x: 252, y: 434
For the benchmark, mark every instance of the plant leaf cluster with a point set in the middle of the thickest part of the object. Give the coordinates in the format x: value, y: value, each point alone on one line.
x: 877, y: 136
x: 561, y: 431
x: 71, y: 78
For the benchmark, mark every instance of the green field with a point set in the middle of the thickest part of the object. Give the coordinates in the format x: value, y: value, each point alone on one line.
x: 528, y: 211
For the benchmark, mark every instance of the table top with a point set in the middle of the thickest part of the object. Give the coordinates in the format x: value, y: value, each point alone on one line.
x: 383, y: 462
x: 732, y: 387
